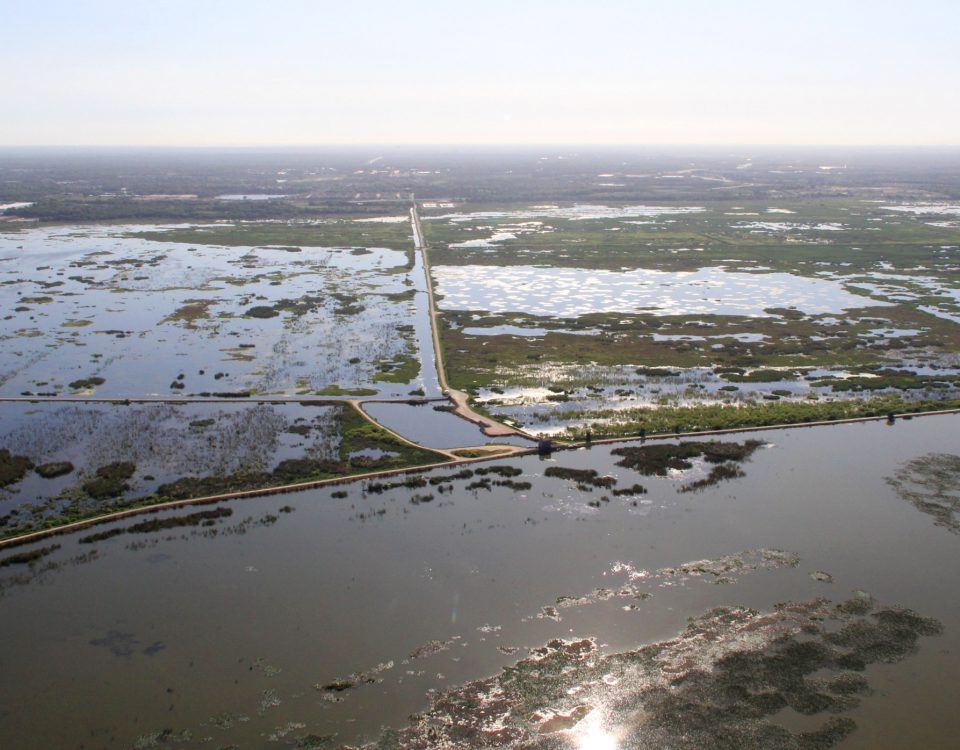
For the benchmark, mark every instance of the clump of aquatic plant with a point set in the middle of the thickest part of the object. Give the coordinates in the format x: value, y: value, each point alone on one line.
x: 84, y: 383
x: 13, y: 468
x: 28, y: 558
x: 931, y: 483
x: 503, y: 471
x: 659, y: 459
x: 54, y: 469
x: 110, y: 480
x: 717, y: 474
x: 634, y: 489
x: 200, y: 518
x: 261, y: 311
x: 583, y: 477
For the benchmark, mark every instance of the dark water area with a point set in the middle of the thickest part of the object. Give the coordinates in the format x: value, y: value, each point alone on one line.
x: 335, y: 612
x: 426, y: 426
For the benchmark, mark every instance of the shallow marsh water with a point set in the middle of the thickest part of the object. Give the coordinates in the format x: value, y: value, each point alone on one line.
x: 326, y: 614
x: 580, y: 392
x: 164, y: 441
x: 168, y: 318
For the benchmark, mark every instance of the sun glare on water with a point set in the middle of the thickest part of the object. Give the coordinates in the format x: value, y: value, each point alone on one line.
x: 591, y: 735
x: 596, y: 739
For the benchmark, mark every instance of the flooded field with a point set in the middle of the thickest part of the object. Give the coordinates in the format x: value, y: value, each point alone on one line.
x: 183, y: 310
x: 162, y: 442
x: 624, y: 596
x: 567, y: 400
x: 564, y: 318
x: 573, y: 292
x: 64, y: 462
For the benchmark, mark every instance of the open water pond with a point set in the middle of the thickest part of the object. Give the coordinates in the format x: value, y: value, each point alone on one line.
x: 92, y: 309
x: 426, y: 426
x: 329, y: 617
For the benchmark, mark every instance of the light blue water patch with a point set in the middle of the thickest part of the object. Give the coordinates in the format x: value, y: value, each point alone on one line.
x: 507, y: 330
x: 572, y: 292
x: 895, y: 333
x: 91, y: 301
x: 577, y: 212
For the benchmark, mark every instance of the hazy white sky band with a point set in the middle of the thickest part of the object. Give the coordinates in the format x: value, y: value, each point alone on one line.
x: 301, y: 72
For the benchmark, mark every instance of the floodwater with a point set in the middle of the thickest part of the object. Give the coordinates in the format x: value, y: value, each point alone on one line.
x: 165, y: 318
x: 923, y: 209
x: 164, y: 441
x: 572, y: 292
x: 311, y: 615
x: 577, y: 212
x: 623, y: 389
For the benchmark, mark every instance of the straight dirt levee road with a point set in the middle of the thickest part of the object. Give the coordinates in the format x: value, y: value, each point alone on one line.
x: 461, y: 401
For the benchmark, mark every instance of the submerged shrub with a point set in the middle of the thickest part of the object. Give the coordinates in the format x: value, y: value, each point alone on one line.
x: 77, y: 385
x: 110, y: 480
x: 13, y: 468
x: 54, y: 469
x: 261, y: 311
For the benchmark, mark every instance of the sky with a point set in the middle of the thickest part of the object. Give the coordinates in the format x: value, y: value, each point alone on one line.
x: 297, y: 72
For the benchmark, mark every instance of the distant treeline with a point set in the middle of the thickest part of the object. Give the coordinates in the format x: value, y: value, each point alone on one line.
x: 129, y: 209
x: 491, y: 175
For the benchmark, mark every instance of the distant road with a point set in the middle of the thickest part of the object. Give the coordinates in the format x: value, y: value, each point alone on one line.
x: 213, y: 399
x: 461, y: 400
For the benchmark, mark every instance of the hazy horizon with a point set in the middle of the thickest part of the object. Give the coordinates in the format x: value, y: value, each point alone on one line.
x: 296, y: 73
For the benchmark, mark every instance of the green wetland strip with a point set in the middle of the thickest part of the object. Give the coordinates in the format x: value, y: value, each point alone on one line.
x: 701, y: 419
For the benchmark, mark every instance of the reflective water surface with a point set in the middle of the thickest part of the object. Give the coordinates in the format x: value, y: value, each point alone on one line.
x: 322, y: 618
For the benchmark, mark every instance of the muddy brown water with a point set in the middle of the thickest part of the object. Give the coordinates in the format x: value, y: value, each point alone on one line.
x: 226, y: 635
